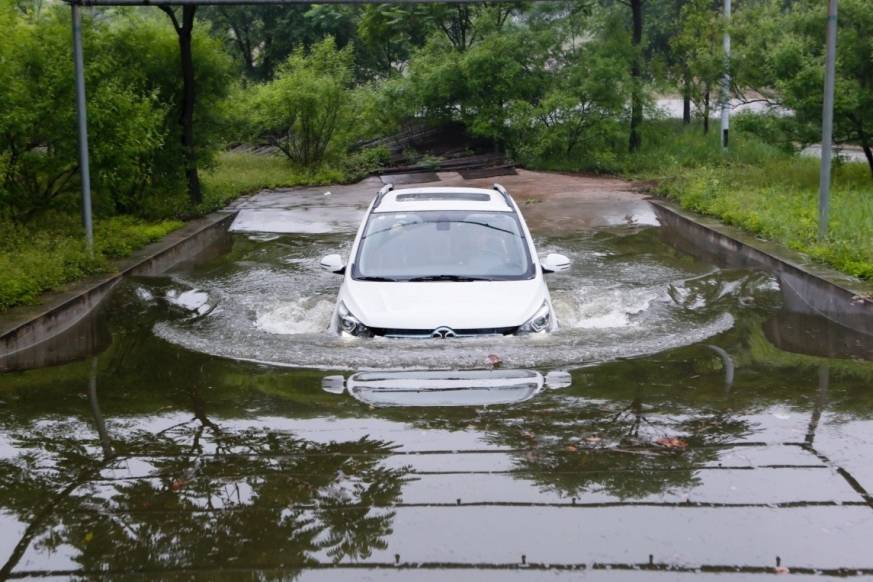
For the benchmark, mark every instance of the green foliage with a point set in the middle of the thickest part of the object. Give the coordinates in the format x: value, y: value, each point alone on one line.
x: 775, y: 196
x: 259, y: 37
x: 241, y: 173
x: 779, y: 130
x: 581, y: 111
x: 133, y: 85
x: 146, y: 58
x: 39, y: 148
x: 782, y: 55
x: 304, y: 109
x: 476, y: 86
x: 697, y: 47
x: 364, y: 163
x: 49, y: 253
x: 505, y: 67
x: 389, y: 33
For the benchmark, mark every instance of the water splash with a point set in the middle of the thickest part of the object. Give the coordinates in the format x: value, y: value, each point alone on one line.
x: 275, y: 305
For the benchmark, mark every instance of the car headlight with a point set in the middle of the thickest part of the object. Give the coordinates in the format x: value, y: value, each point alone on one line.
x: 540, y: 321
x: 349, y: 325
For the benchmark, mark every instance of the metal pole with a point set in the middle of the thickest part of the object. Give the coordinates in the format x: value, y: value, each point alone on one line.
x: 84, y: 169
x: 827, y: 122
x: 726, y: 79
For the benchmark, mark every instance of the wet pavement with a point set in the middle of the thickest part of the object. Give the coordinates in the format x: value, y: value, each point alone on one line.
x: 682, y: 423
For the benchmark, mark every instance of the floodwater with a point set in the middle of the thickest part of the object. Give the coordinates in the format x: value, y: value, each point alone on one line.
x: 682, y: 423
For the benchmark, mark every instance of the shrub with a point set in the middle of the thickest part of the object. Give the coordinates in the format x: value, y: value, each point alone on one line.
x: 310, y: 99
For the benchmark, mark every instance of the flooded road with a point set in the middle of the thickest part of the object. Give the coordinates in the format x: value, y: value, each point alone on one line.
x: 683, y: 422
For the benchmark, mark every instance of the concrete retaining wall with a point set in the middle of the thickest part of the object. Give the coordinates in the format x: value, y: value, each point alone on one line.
x: 23, y: 329
x: 806, y: 287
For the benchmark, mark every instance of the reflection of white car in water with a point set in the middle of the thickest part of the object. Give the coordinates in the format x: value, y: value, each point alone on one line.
x: 445, y: 388
x: 443, y: 262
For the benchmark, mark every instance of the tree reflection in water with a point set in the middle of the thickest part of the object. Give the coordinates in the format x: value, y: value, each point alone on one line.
x: 198, y: 494
x: 574, y: 446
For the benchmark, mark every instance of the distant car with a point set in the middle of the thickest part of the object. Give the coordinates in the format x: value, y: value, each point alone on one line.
x: 443, y: 263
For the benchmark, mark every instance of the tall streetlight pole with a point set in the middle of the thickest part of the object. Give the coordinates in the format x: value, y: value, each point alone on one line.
x: 827, y: 122
x: 726, y: 79
x: 82, y: 115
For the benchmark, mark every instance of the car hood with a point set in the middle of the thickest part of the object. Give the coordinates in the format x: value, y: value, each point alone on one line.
x: 458, y: 305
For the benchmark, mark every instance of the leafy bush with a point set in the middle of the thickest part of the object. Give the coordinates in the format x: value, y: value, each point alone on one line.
x: 475, y: 86
x: 39, y: 145
x: 365, y: 162
x: 302, y: 110
x: 133, y: 112
x: 580, y: 114
x: 778, y: 130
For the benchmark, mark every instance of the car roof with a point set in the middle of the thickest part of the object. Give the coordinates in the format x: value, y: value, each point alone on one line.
x: 443, y: 198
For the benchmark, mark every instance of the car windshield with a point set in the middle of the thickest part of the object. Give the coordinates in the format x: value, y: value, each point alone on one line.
x: 450, y: 245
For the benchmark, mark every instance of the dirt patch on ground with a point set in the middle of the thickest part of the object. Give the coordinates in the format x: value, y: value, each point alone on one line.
x: 562, y: 202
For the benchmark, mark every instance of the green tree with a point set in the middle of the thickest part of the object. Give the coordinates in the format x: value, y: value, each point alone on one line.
x: 38, y: 145
x: 147, y: 55
x: 507, y: 66
x: 581, y: 108
x: 389, y: 33
x: 302, y: 110
x: 698, y: 45
x: 262, y: 37
x: 782, y: 56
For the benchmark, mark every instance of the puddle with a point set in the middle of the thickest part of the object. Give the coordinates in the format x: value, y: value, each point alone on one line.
x: 682, y: 420
x: 627, y: 295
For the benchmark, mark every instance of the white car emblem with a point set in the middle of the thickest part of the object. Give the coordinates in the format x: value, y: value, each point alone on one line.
x: 443, y: 332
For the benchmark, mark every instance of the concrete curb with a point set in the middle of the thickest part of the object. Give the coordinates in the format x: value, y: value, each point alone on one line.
x: 25, y: 327
x: 807, y: 287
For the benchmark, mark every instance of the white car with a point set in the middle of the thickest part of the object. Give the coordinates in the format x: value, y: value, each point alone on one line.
x: 443, y: 263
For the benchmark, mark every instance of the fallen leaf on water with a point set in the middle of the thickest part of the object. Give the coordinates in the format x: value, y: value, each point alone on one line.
x: 571, y: 448
x: 178, y: 485
x: 493, y: 360
x: 672, y: 443
x: 89, y: 536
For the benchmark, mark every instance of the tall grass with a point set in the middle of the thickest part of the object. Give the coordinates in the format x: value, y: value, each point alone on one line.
x: 50, y: 253
x: 754, y: 185
x: 776, y: 197
x: 236, y: 174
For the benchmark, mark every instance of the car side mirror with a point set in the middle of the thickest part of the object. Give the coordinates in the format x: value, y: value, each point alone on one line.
x: 333, y: 263
x: 553, y: 262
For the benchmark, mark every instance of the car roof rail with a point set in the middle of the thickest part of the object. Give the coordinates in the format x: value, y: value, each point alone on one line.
x: 503, y: 193
x: 385, y: 189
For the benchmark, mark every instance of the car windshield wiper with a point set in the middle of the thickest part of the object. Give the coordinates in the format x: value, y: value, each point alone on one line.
x: 486, y: 225
x: 365, y: 278
x: 395, y: 226
x: 461, y: 278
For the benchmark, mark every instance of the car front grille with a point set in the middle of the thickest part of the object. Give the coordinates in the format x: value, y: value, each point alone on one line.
x: 431, y: 333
